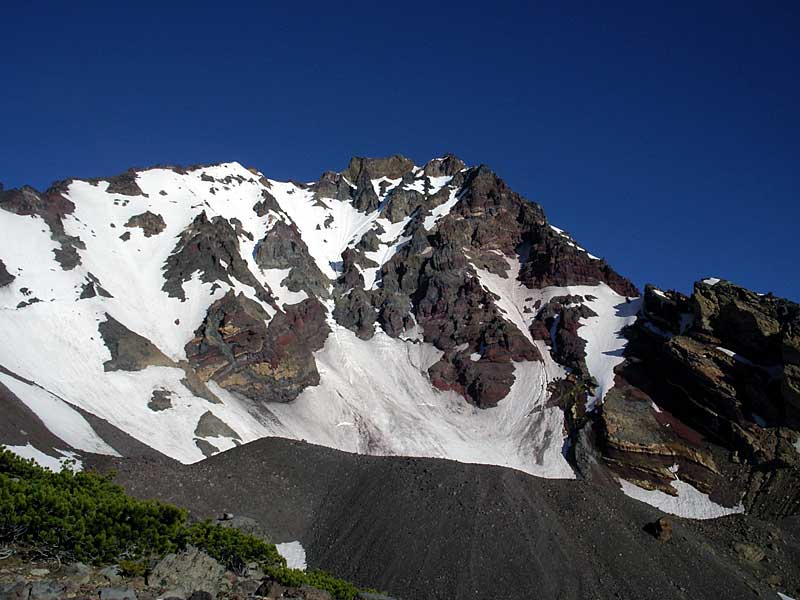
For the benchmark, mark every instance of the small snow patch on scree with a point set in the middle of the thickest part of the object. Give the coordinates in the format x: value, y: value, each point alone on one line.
x: 690, y: 502
x: 294, y: 553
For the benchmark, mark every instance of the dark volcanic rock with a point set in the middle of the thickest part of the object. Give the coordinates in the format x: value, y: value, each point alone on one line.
x: 495, y: 533
x: 361, y: 172
x: 160, y: 400
x: 211, y: 425
x: 401, y: 203
x: 555, y: 260
x: 210, y: 248
x: 125, y: 184
x: 52, y: 206
x: 150, y: 223
x: 333, y: 185
x: 264, y: 362
x: 283, y: 248
x: 91, y: 288
x: 5, y: 276
x: 449, y: 164
x: 717, y: 365
x: 129, y: 351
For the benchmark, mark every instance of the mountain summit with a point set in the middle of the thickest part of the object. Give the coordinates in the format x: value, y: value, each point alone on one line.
x: 387, y: 309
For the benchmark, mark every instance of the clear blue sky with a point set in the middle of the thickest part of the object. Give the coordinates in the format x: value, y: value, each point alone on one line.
x: 663, y: 136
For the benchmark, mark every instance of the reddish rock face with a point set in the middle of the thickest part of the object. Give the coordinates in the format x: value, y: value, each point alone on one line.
x: 263, y: 359
x: 722, y: 416
x: 553, y: 261
x: 432, y: 281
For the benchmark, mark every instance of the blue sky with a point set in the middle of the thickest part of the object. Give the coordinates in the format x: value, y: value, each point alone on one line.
x: 662, y: 135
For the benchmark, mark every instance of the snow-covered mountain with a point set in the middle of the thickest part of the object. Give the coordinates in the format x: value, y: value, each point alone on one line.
x: 387, y: 309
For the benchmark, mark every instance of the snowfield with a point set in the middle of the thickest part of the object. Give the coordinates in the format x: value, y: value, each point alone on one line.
x: 374, y: 396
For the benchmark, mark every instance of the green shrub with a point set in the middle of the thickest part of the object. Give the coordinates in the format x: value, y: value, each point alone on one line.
x: 233, y: 548
x: 338, y: 588
x: 133, y: 568
x: 85, y: 516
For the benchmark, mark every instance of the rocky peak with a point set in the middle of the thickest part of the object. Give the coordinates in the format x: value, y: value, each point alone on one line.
x: 392, y: 167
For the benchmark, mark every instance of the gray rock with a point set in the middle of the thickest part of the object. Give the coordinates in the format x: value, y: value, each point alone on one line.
x: 189, y: 570
x: 115, y: 593
x: 78, y: 572
x: 48, y: 590
x: 16, y: 590
x: 111, y: 574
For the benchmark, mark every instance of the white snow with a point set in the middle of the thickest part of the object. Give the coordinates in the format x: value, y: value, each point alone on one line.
x: 690, y: 502
x: 374, y: 396
x: 441, y: 211
x: 59, y: 417
x: 395, y: 410
x: 294, y: 553
x: 475, y: 356
x: 784, y: 596
x: 604, y: 340
x: 45, y: 460
x: 711, y: 280
x: 437, y: 183
x: 283, y: 296
x: 603, y: 334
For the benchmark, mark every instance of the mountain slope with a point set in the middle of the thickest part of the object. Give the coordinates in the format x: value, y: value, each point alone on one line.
x: 386, y: 309
x: 428, y: 528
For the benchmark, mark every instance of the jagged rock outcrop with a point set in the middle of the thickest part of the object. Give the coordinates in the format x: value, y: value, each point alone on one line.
x: 283, y: 248
x: 52, y: 207
x: 431, y: 282
x: 150, y: 223
x: 125, y: 184
x: 129, y: 350
x: 211, y: 249
x: 264, y: 359
x: 5, y: 277
x: 91, y: 288
x: 706, y: 386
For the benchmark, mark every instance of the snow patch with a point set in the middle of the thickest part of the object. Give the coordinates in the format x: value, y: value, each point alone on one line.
x: 53, y: 463
x: 711, y: 280
x: 294, y: 553
x: 690, y: 502
x: 395, y: 410
x: 58, y: 417
x: 439, y: 212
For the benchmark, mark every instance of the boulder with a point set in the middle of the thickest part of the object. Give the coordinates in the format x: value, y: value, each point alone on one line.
x: 188, y: 570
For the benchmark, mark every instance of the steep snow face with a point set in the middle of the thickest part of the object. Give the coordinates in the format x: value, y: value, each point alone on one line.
x: 603, y: 333
x: 374, y: 396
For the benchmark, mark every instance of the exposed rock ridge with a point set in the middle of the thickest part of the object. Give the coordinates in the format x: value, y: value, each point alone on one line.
x: 710, y: 385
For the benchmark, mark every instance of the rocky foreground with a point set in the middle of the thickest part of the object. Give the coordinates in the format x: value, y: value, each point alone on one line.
x: 189, y: 575
x: 436, y: 529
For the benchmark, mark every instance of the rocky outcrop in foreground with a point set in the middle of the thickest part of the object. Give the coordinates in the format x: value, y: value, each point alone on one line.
x: 189, y: 575
x: 710, y: 393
